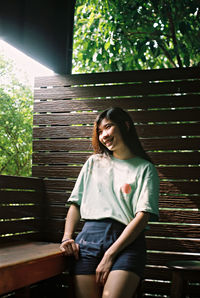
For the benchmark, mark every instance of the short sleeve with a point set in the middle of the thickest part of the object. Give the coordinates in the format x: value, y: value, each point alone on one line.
x: 77, y: 192
x: 148, y: 194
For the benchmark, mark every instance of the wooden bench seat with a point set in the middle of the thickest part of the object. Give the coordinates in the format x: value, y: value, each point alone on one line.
x: 25, y: 263
x: 25, y: 256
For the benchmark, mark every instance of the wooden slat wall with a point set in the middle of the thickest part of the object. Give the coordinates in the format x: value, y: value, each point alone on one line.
x: 21, y: 209
x: 165, y: 106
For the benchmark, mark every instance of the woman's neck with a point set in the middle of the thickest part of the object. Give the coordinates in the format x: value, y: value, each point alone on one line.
x: 123, y: 154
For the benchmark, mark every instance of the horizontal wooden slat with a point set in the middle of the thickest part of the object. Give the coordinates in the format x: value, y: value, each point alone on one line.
x: 10, y: 227
x: 60, y: 158
x: 174, y: 230
x: 85, y: 145
x: 144, y: 131
x: 179, y: 201
x: 157, y: 273
x: 158, y: 229
x: 56, y: 171
x: 164, y: 201
x: 183, y: 158
x: 178, y: 173
x: 117, y: 77
x: 180, y: 216
x: 173, y: 245
x: 127, y: 103
x: 170, y: 216
x: 14, y: 212
x: 72, y: 172
x: 161, y: 258
x: 118, y: 90
x: 8, y: 197
x: 12, y: 182
x: 30, y: 236
x: 142, y: 117
x: 182, y: 187
x: 166, y: 187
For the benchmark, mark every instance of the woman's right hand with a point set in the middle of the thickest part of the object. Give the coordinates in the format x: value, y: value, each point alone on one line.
x: 70, y: 248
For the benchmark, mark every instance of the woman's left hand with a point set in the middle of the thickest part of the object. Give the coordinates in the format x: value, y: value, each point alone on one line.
x: 103, y: 269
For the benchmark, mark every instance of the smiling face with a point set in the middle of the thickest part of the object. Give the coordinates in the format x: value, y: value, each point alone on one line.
x: 110, y: 136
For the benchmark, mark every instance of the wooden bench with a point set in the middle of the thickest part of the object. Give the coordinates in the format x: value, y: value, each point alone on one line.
x: 25, y: 256
x: 165, y: 107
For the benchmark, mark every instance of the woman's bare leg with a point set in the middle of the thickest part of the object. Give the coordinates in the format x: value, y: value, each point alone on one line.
x: 120, y: 284
x: 86, y: 287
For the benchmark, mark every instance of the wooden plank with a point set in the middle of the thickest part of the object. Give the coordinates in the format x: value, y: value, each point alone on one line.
x: 144, y: 131
x: 72, y: 172
x: 179, y: 187
x: 131, y: 103
x: 180, y: 216
x: 8, y: 197
x: 183, y: 172
x: 85, y: 144
x: 169, y: 216
x: 137, y: 116
x: 16, y: 226
x: 118, y: 77
x: 179, y: 201
x: 161, y: 258
x: 188, y: 202
x: 127, y: 103
x: 157, y: 273
x: 166, y: 187
x: 18, y: 237
x: 174, y: 230
x: 13, y: 182
x: 60, y: 158
x: 174, y: 245
x: 62, y: 145
x: 36, y: 261
x: 56, y: 171
x: 158, y: 229
x: 16, y: 212
x: 118, y: 90
x: 176, y: 158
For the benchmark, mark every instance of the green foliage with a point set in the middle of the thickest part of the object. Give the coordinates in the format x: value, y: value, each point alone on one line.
x: 16, y: 103
x: 118, y: 35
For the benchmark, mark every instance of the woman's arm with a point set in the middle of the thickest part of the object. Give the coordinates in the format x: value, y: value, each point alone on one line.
x: 68, y: 246
x: 130, y: 233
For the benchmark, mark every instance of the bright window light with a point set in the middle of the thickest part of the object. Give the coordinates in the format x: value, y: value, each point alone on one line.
x: 26, y: 67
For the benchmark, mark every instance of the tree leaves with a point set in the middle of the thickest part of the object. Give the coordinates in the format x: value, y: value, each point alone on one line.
x: 123, y: 34
x: 16, y: 104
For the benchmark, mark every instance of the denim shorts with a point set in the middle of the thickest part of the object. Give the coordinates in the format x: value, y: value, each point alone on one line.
x: 96, y: 237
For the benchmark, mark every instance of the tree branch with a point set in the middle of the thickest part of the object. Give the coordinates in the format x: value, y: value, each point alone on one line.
x: 172, y: 27
x: 166, y: 53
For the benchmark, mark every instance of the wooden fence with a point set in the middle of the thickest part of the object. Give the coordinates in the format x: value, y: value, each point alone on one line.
x: 164, y: 105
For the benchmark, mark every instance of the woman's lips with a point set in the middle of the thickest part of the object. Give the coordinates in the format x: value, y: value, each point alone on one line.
x: 108, y: 142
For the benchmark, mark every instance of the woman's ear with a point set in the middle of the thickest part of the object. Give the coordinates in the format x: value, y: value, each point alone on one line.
x: 127, y: 125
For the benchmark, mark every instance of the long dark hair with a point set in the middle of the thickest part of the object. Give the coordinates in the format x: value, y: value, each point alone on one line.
x: 127, y: 129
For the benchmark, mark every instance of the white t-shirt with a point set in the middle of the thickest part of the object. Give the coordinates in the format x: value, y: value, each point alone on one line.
x: 108, y: 187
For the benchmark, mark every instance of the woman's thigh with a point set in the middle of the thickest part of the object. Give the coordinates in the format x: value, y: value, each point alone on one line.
x: 86, y: 286
x: 120, y: 284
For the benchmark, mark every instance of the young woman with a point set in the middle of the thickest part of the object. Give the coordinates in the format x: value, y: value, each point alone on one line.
x: 116, y: 194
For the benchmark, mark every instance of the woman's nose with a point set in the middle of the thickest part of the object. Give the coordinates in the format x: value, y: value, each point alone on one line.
x: 104, y: 133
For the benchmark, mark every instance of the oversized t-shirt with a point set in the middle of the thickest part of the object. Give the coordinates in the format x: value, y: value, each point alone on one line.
x: 108, y: 187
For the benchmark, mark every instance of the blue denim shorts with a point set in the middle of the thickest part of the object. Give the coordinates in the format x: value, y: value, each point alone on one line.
x: 96, y: 237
